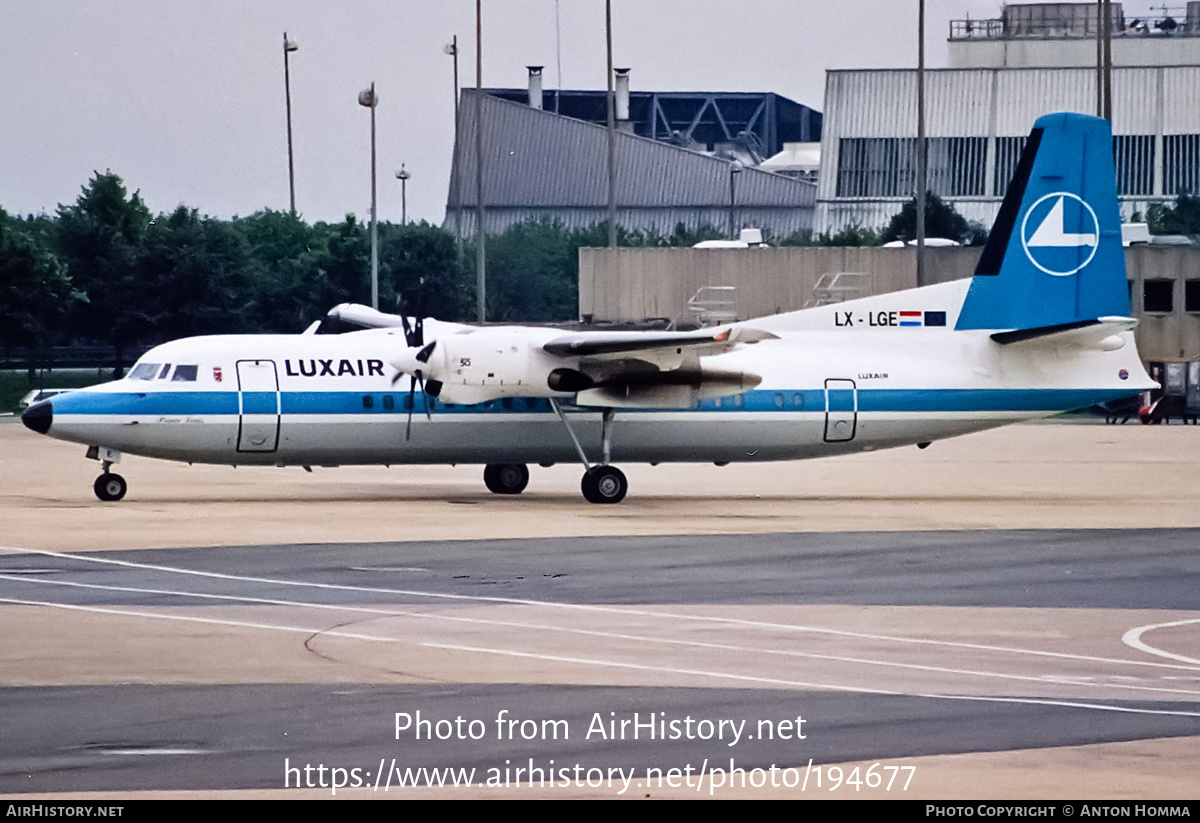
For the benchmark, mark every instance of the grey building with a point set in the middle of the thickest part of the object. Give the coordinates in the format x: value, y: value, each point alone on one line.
x: 541, y: 165
x: 1004, y: 74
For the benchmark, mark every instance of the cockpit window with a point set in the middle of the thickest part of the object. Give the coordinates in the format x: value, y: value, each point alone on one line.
x: 144, y: 371
x: 185, y: 374
x: 165, y: 370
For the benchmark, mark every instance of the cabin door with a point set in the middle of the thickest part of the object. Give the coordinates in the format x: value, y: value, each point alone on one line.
x: 258, y: 406
x: 841, y: 410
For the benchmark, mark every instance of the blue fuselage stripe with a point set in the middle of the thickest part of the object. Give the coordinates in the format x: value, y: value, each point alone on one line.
x: 810, y: 400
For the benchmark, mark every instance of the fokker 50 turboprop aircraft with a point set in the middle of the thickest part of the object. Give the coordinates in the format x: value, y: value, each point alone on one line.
x: 1042, y: 327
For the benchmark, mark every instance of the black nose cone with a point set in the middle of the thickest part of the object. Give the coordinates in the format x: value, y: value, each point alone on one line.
x: 38, y: 417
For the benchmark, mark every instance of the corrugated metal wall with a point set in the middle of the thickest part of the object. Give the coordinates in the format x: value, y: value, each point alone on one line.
x: 1156, y: 111
x: 540, y: 165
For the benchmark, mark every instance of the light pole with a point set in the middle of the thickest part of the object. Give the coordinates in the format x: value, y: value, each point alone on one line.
x: 403, y: 176
x: 922, y: 152
x: 612, y: 131
x: 367, y: 98
x: 480, y: 251
x: 289, y: 46
x: 735, y: 168
x: 452, y: 50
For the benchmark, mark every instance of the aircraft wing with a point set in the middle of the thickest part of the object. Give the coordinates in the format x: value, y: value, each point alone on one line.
x: 650, y: 369
x: 702, y: 341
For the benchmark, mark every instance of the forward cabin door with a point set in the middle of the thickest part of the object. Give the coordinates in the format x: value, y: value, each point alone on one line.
x: 258, y: 406
x: 841, y: 410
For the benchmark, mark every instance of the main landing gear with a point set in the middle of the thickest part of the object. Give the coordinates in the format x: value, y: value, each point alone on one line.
x: 604, y: 484
x: 601, y: 483
x: 506, y: 478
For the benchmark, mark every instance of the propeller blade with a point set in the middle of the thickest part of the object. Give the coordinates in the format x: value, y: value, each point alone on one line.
x: 424, y: 354
x: 408, y: 330
x: 424, y: 397
x: 408, y: 426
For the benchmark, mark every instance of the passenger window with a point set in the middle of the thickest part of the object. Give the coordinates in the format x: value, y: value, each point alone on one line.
x: 185, y: 374
x: 368, y: 401
x: 389, y: 402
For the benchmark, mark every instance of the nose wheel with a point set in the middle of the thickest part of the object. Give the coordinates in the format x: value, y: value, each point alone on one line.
x: 110, y: 487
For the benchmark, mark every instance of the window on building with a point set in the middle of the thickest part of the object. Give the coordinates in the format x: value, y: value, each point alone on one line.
x: 957, y: 166
x: 1191, y: 295
x: 887, y: 166
x: 1158, y: 296
x: 1008, y: 154
x: 1134, y: 157
x: 1181, y: 164
x: 876, y: 166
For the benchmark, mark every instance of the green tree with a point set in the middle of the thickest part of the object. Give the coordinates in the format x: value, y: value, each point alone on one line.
x: 1182, y: 218
x: 532, y: 272
x: 100, y: 237
x: 419, y: 272
x: 284, y: 266
x: 35, y: 290
x: 192, y: 271
x: 853, y: 235
x: 941, y: 220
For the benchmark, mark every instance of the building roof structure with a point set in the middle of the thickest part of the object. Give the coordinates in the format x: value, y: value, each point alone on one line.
x: 541, y: 165
x: 1032, y: 60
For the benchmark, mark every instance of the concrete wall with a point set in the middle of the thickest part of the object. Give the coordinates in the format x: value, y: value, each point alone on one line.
x: 1173, y: 335
x: 635, y: 284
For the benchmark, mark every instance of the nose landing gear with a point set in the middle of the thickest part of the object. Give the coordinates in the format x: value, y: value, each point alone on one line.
x: 110, y: 487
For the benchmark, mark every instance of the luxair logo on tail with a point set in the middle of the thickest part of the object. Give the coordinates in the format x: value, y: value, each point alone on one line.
x: 1066, y: 236
x: 1054, y: 255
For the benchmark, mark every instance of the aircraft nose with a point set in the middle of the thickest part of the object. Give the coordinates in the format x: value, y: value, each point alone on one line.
x: 38, y: 417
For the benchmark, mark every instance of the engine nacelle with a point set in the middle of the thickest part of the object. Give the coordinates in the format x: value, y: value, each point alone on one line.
x: 492, y: 363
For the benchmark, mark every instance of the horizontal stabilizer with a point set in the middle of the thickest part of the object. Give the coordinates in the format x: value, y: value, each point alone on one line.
x: 1103, y: 333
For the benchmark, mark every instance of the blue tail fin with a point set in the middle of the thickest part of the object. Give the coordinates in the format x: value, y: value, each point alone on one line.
x: 1054, y: 256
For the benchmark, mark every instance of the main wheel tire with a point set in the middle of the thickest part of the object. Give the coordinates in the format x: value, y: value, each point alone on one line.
x: 110, y: 487
x: 604, y: 484
x: 506, y: 478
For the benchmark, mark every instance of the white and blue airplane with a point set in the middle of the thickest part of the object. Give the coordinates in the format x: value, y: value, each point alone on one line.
x: 1042, y: 327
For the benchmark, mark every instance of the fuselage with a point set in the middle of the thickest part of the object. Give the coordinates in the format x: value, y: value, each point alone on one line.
x: 835, y: 380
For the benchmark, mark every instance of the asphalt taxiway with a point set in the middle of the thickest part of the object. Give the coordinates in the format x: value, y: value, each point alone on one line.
x: 1008, y: 615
